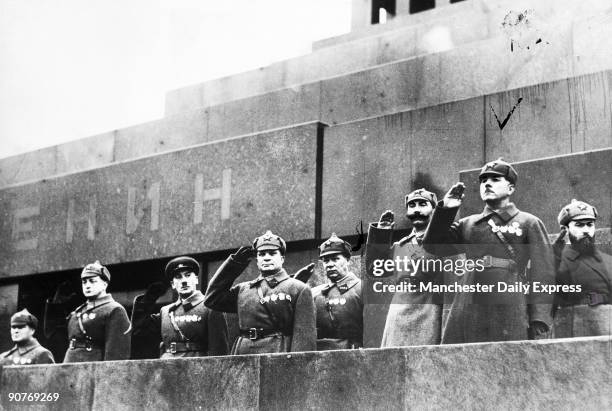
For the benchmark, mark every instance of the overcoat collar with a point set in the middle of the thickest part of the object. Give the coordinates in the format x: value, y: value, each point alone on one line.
x: 272, y: 280
x: 505, y: 213
x: 193, y: 300
x: 345, y: 284
x: 90, y: 305
x: 29, y: 346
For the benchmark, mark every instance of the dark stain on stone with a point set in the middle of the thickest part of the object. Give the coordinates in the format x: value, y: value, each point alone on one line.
x: 502, y: 124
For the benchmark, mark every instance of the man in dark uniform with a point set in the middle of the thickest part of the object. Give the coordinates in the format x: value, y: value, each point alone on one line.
x: 338, y: 303
x: 414, y: 318
x: 27, y: 349
x: 187, y: 327
x: 275, y: 312
x: 99, y: 329
x: 504, y: 240
x: 585, y: 307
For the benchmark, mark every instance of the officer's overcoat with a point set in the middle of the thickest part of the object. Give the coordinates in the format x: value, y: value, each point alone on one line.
x: 414, y: 318
x: 339, y: 309
x: 106, y: 323
x: 475, y: 317
x: 197, y: 324
x: 286, y: 307
x: 576, y: 317
x: 30, y: 353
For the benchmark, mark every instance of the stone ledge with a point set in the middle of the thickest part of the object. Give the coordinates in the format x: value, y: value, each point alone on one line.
x: 546, y: 374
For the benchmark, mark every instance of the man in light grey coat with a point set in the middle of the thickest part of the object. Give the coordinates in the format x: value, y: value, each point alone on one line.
x: 414, y: 318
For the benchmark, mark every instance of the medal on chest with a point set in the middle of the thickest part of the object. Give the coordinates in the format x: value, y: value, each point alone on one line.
x: 513, y: 228
x: 275, y: 297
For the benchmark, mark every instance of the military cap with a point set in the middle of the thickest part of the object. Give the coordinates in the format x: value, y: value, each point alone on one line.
x: 335, y: 245
x: 270, y: 241
x: 421, y: 194
x: 96, y: 269
x: 24, y: 317
x: 181, y: 264
x: 577, y: 210
x: 501, y: 168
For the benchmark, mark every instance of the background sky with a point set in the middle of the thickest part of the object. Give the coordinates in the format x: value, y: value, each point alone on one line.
x: 75, y: 68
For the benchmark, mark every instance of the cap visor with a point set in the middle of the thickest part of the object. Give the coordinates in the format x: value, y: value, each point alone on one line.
x: 418, y: 198
x: 268, y: 247
x: 583, y: 217
x: 491, y: 173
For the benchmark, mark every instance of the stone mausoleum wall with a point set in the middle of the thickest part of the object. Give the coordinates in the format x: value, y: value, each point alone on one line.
x: 315, y: 145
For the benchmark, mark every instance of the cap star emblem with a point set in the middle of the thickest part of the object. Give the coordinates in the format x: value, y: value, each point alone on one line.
x: 582, y: 207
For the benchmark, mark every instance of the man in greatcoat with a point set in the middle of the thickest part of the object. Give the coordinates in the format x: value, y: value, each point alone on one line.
x: 504, y: 241
x: 275, y: 312
x: 584, y: 307
x: 27, y: 349
x: 99, y: 329
x: 414, y: 318
x: 338, y: 303
x: 187, y: 327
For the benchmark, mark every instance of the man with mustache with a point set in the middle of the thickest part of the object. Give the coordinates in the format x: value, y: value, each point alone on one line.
x: 512, y: 247
x: 588, y: 311
x: 187, y: 327
x: 414, y: 318
x: 275, y: 312
x: 338, y: 303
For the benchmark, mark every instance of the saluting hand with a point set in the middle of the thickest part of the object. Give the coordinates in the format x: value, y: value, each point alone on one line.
x: 454, y: 196
x: 304, y: 273
x: 386, y: 220
x: 244, y: 255
x: 155, y: 290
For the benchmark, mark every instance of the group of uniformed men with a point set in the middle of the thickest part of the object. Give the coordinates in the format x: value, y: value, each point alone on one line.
x: 278, y: 312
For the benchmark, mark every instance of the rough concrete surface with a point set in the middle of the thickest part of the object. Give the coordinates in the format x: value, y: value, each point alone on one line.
x: 545, y: 375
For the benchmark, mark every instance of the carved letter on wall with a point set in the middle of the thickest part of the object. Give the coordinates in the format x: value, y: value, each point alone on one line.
x: 22, y: 225
x: 89, y: 218
x: 135, y: 214
x: 222, y: 193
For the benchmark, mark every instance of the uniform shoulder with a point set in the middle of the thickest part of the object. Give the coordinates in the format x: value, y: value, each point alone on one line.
x: 114, y: 305
x: 165, y: 308
x: 40, y: 350
x: 528, y: 217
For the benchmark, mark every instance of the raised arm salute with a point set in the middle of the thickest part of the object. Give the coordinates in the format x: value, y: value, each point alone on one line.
x: 275, y: 312
x: 515, y: 249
